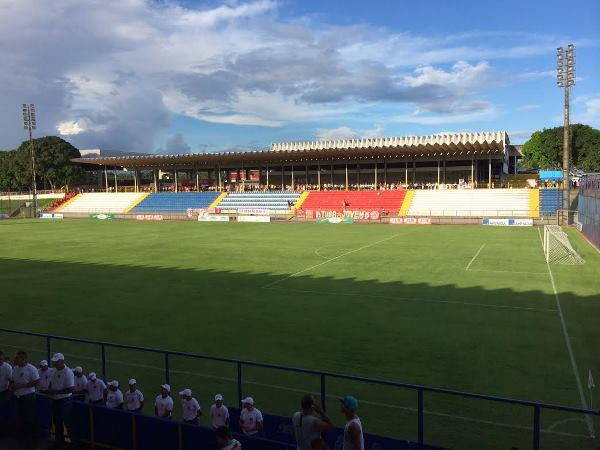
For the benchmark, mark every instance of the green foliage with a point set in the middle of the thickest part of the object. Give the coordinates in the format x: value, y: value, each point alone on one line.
x: 544, y: 148
x: 53, y: 164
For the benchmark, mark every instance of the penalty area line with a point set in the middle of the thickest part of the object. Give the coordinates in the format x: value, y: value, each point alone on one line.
x: 475, y: 257
x: 328, y: 261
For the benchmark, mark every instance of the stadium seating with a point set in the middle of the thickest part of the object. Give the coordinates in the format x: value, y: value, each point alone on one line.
x: 175, y: 202
x: 471, y: 203
x: 101, y: 202
x: 550, y: 201
x: 274, y: 201
x: 390, y: 201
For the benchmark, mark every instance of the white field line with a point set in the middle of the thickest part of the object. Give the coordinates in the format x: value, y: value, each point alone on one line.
x: 334, y: 396
x: 417, y: 299
x: 508, y: 271
x: 563, y: 323
x: 273, y: 283
x: 319, y: 255
x: 475, y: 257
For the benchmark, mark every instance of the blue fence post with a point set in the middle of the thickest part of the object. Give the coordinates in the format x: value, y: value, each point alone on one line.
x: 536, y: 427
x: 420, y: 421
x: 103, y: 361
x: 48, y: 347
x: 323, y: 393
x: 239, y: 382
x: 167, y: 371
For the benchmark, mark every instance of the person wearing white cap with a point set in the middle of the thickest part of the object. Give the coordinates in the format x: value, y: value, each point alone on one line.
x: 80, y: 384
x: 251, y: 419
x: 96, y: 389
x: 45, y: 373
x: 62, y: 383
x: 134, y: 397
x: 191, y: 408
x: 163, y: 404
x: 25, y: 379
x: 219, y: 414
x: 114, y: 398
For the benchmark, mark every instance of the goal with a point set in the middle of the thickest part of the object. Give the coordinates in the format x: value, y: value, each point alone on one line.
x: 558, y: 248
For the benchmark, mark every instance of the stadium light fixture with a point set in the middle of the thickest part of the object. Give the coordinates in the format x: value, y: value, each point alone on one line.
x: 30, y: 124
x: 565, y: 78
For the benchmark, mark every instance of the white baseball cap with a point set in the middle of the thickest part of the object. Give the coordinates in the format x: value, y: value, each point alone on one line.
x: 186, y: 393
x: 92, y: 376
x: 166, y: 387
x: 218, y: 397
x: 78, y: 369
x: 114, y: 383
x: 44, y: 363
x: 132, y: 382
x: 248, y: 400
x: 58, y: 357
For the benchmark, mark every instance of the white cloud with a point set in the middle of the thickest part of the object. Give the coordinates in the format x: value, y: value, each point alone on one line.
x: 329, y: 134
x: 591, y: 112
x: 528, y: 107
x: 445, y: 119
x: 69, y: 128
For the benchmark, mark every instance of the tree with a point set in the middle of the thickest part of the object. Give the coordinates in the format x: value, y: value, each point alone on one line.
x: 544, y: 148
x: 53, y: 161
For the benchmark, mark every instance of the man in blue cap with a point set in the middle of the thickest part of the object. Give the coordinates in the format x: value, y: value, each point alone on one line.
x: 353, y: 432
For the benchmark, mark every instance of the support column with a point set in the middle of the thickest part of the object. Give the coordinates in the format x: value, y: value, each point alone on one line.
x: 406, y: 171
x: 358, y: 175
x: 438, y: 174
x: 444, y: 172
x: 306, y: 179
x: 376, y: 187
x: 220, y: 183
x: 176, y: 182
x: 414, y: 171
x: 490, y: 172
x: 106, y: 178
x: 292, y: 177
x: 268, y: 186
x: 319, y: 176
x: 282, y: 184
x: 472, y: 173
x: 197, y: 180
x: 385, y: 181
x: 346, y: 176
x: 116, y: 183
x: 155, y: 176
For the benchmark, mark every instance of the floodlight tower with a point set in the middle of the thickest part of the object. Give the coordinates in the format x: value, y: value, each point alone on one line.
x: 565, y: 78
x: 30, y: 123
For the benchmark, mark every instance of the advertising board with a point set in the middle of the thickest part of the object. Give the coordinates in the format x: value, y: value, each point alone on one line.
x: 102, y: 216
x: 254, y: 211
x: 354, y: 214
x: 149, y: 217
x: 334, y: 220
x: 213, y: 218
x: 263, y: 219
x: 508, y: 222
x: 410, y: 221
x: 51, y: 216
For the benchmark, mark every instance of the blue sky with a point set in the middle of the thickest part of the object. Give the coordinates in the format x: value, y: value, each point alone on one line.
x: 171, y: 76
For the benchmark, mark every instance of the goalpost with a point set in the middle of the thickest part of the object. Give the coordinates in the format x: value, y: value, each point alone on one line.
x: 558, y: 248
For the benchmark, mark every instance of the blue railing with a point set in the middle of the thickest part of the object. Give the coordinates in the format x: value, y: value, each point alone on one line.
x: 536, y: 407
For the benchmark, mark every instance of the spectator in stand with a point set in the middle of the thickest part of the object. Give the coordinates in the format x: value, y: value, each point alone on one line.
x: 219, y: 414
x: 25, y: 378
x: 307, y: 426
x: 251, y: 420
x: 353, y: 432
x: 191, y: 408
x: 96, y: 390
x: 134, y: 397
x: 61, y: 388
x: 163, y: 405
x: 114, y: 398
x: 225, y: 441
x: 80, y: 384
x: 45, y: 373
x: 5, y: 378
x: 319, y: 444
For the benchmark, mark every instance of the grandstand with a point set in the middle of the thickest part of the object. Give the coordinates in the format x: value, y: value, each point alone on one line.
x: 389, y: 202
x: 100, y: 202
x: 175, y: 202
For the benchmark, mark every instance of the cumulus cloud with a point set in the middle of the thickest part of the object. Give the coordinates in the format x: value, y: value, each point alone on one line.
x: 113, y: 74
x: 331, y: 134
x: 590, y: 115
x: 175, y: 145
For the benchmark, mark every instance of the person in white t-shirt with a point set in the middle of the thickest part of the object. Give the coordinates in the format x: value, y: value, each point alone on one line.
x: 219, y: 414
x: 353, y: 431
x: 251, y: 420
x: 225, y: 440
x: 62, y: 383
x: 96, y: 389
x: 80, y: 384
x: 25, y: 379
x: 163, y: 404
x: 114, y: 398
x: 5, y: 377
x: 191, y: 408
x: 45, y: 373
x: 134, y: 397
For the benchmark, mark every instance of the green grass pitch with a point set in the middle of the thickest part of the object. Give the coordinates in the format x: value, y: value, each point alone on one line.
x: 463, y: 307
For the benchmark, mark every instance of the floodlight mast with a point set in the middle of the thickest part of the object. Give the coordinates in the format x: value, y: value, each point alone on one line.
x: 565, y: 78
x: 29, y: 124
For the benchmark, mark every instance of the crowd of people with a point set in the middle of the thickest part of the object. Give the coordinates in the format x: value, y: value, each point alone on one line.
x: 62, y: 385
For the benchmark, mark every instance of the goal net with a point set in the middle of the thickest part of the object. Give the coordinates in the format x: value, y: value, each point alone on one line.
x: 558, y: 248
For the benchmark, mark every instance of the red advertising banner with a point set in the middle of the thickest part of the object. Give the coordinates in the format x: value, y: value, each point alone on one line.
x: 254, y: 175
x: 233, y: 176
x: 149, y: 217
x: 410, y: 221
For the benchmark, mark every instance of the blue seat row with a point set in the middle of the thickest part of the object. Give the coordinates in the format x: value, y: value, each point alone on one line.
x: 550, y: 201
x: 175, y: 201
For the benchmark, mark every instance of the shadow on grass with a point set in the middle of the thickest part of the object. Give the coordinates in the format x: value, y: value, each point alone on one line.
x: 492, y: 341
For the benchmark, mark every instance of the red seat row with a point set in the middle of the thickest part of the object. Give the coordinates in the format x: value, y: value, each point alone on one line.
x: 389, y: 201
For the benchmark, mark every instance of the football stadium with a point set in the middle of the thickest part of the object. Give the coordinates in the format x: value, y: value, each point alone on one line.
x: 408, y: 265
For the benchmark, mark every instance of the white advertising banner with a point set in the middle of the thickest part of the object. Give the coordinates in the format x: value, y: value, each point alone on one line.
x: 213, y: 218
x: 51, y: 216
x: 263, y: 219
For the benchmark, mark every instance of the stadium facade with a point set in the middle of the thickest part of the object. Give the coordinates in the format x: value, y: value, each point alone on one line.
x: 462, y: 159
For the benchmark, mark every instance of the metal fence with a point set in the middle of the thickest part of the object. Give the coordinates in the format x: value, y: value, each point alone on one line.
x: 170, y: 362
x: 589, y: 208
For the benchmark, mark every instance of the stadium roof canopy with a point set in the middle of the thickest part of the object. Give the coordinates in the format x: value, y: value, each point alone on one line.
x: 465, y: 145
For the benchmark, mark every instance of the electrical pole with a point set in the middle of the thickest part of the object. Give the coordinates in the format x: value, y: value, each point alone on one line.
x: 29, y: 124
x: 565, y: 78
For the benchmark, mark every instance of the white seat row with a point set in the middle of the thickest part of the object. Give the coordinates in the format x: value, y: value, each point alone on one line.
x: 102, y: 202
